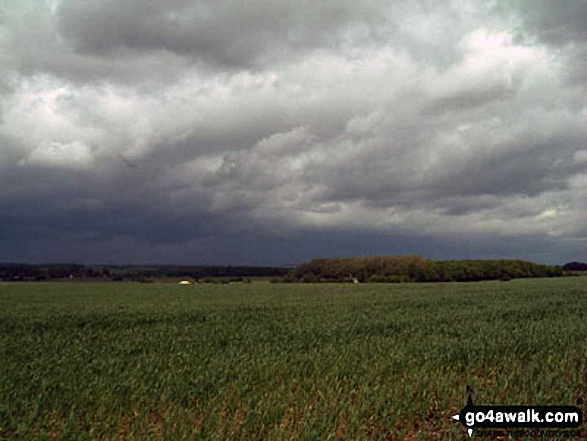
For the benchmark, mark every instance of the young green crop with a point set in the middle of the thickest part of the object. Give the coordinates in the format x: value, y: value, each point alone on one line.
x: 261, y: 361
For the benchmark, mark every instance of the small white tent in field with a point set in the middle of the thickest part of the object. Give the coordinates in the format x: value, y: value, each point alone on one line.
x: 185, y: 282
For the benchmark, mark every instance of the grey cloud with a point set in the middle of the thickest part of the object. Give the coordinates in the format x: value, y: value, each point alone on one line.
x: 255, y: 247
x: 386, y: 161
x: 264, y: 132
x: 27, y: 32
x: 42, y: 203
x: 33, y: 45
x: 561, y: 24
x: 223, y: 33
x: 554, y: 22
x: 528, y: 173
x: 396, y: 169
x: 467, y: 100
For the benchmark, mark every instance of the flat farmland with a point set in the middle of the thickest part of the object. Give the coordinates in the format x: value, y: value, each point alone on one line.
x: 282, y: 361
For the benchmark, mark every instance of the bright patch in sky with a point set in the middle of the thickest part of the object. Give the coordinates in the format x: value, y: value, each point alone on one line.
x: 73, y: 154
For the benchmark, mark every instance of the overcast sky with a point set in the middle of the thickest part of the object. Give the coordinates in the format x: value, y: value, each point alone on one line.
x: 275, y: 131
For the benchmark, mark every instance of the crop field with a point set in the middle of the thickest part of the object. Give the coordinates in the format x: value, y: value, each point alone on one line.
x: 282, y: 361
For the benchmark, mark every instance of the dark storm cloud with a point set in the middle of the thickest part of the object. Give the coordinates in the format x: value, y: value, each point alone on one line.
x: 221, y: 32
x: 273, y: 132
x: 412, y: 165
x: 255, y: 247
x: 542, y: 168
x: 43, y: 203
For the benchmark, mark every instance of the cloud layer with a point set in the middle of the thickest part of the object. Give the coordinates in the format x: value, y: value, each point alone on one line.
x: 263, y: 132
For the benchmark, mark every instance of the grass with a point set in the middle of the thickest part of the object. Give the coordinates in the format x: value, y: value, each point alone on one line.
x: 260, y: 361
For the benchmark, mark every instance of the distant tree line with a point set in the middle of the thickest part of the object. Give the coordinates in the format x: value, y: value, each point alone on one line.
x: 575, y: 266
x: 24, y: 272
x: 416, y: 269
x: 388, y: 269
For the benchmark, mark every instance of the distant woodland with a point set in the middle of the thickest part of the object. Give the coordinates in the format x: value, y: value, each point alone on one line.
x: 388, y: 269
x: 20, y: 272
x: 417, y: 269
x: 575, y: 266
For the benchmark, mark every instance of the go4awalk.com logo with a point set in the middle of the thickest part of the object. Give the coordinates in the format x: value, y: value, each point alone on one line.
x: 524, y: 420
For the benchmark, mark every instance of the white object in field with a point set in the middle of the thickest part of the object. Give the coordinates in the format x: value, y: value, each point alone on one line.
x: 185, y: 282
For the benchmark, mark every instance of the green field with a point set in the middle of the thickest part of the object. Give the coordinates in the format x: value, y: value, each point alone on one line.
x: 282, y: 361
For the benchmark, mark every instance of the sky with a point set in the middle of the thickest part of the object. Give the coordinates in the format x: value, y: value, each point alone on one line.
x: 271, y: 132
